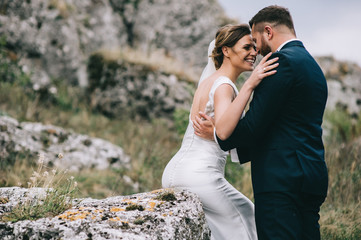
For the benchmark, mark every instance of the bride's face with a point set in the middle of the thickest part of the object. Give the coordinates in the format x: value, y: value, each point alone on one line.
x: 244, y: 53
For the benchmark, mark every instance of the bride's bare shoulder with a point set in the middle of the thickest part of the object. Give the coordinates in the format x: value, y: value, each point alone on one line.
x: 208, y: 82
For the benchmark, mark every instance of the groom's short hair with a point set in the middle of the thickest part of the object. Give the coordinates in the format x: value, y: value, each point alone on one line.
x: 275, y: 15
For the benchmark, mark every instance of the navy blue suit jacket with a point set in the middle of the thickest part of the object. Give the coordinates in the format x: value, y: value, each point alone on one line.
x: 281, y: 133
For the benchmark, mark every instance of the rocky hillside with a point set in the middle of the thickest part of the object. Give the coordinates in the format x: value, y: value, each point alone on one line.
x: 344, y: 84
x: 119, y: 87
x: 54, y: 38
x: 61, y: 39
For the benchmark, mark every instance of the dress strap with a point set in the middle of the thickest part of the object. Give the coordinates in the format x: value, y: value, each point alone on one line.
x: 218, y: 82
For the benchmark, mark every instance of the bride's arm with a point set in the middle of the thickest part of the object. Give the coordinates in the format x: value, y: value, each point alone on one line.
x: 203, y: 124
x: 223, y: 97
x: 227, y: 114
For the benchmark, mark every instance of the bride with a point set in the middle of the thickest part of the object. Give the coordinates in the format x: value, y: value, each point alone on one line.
x: 199, y: 163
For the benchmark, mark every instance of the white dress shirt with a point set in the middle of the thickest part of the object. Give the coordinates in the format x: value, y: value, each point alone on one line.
x: 281, y: 46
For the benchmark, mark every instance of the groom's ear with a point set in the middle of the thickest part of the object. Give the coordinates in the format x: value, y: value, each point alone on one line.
x: 268, y: 31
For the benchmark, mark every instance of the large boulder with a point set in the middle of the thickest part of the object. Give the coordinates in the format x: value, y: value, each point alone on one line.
x: 161, y: 214
x: 78, y: 151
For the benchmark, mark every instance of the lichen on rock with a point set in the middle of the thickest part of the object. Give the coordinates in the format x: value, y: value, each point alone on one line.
x: 181, y: 218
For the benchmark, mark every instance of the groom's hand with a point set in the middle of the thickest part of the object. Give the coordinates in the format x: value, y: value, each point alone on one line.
x: 204, y: 126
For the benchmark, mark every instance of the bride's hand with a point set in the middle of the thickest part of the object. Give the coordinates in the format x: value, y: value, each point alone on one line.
x: 264, y: 69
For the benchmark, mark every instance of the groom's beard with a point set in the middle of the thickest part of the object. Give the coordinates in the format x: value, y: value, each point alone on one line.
x: 265, y: 49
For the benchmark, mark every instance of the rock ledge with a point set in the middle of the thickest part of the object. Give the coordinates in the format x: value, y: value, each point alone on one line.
x: 161, y: 214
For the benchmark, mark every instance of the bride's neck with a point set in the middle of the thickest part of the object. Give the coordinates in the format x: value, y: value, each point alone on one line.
x: 230, y: 72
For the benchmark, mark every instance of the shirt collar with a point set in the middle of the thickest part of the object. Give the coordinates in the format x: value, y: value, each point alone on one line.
x: 281, y: 46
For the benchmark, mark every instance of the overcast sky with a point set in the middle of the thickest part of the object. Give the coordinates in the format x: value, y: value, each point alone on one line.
x: 326, y: 27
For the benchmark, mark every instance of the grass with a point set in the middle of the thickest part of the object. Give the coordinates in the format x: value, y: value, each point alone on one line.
x: 58, y: 196
x: 341, y: 213
x: 149, y: 144
x: 340, y: 223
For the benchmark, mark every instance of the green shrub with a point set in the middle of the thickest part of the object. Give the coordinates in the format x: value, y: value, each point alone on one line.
x: 181, y: 120
x: 343, y: 126
x: 10, y: 71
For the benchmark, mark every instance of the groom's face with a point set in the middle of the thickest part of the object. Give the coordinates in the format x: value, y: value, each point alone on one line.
x: 260, y: 40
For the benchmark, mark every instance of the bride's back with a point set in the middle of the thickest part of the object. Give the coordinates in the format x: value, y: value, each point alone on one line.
x: 201, y: 96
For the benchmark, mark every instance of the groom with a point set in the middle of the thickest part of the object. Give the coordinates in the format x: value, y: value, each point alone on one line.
x: 281, y: 134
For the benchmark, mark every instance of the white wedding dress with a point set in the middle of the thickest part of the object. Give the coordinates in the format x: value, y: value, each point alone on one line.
x: 199, y: 167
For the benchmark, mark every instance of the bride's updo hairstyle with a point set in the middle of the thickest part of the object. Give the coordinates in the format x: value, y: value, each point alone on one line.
x: 228, y: 36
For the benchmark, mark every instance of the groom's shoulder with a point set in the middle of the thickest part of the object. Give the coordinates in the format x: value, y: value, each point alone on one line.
x: 290, y: 56
x: 283, y: 58
x: 292, y: 52
x: 282, y: 55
